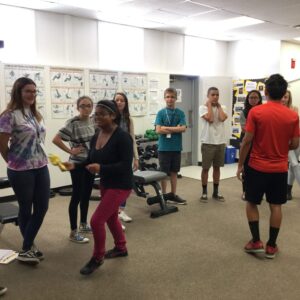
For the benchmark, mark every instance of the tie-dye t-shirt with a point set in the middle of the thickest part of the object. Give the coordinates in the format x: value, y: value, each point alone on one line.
x: 25, y: 151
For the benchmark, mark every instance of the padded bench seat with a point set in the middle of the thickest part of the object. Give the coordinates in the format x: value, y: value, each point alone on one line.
x: 143, y: 178
x: 4, y: 183
x: 146, y: 177
x: 9, y: 212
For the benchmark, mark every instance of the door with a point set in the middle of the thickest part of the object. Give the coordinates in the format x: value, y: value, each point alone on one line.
x: 187, y: 88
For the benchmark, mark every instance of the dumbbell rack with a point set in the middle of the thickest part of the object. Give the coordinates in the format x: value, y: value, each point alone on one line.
x: 147, y: 150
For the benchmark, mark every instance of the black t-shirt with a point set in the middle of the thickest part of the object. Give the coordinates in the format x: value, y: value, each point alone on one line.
x: 115, y: 160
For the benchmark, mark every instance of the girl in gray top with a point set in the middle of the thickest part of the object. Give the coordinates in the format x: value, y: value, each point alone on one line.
x: 78, y: 132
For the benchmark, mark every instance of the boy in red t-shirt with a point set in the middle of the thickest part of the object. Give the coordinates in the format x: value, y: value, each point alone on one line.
x: 273, y: 130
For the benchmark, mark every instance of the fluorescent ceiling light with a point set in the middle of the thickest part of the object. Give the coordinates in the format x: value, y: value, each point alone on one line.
x: 237, y: 22
x: 101, y: 5
x: 33, y: 4
x: 297, y: 38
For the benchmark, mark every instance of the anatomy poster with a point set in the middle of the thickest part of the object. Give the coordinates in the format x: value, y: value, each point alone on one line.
x: 66, y: 86
x: 36, y: 73
x: 134, y: 85
x: 103, y: 85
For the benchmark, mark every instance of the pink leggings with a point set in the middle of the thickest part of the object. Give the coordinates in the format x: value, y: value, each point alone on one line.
x: 107, y: 212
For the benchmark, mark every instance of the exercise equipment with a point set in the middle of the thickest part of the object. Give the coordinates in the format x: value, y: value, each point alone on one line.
x: 8, y: 210
x: 144, y: 178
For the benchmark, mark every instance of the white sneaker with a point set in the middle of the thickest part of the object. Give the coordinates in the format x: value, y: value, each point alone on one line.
x: 78, y: 238
x: 124, y: 217
x: 123, y: 227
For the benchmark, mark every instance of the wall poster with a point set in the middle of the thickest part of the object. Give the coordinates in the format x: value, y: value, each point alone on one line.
x: 66, y: 86
x: 36, y: 73
x: 134, y: 85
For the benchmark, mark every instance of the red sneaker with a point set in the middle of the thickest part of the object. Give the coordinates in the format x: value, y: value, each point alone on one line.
x: 271, y: 251
x: 254, y: 247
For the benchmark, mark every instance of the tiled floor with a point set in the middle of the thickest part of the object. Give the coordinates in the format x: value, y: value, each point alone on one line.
x: 228, y: 171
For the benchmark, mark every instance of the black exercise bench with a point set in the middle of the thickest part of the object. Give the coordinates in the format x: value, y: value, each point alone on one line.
x: 143, y: 178
x: 8, y: 210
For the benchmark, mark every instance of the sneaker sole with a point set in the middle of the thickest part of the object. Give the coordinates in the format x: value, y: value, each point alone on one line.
x: 254, y: 250
x: 178, y: 203
x: 28, y: 261
x: 126, y: 221
x: 79, y: 242
x: 270, y: 256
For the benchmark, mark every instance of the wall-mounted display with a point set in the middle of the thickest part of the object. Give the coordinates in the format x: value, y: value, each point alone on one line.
x: 241, y: 88
x: 36, y: 73
x: 103, y: 85
x: 66, y: 86
x: 134, y: 85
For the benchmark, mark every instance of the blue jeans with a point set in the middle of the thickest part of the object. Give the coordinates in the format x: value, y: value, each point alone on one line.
x: 32, y: 189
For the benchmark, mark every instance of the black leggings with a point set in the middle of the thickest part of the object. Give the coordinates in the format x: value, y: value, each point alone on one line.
x: 82, y: 184
x: 32, y: 189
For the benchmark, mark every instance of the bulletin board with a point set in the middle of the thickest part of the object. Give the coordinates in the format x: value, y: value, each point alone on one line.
x: 241, y: 88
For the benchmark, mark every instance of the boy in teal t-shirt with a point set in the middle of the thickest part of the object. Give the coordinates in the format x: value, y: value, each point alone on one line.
x: 170, y: 124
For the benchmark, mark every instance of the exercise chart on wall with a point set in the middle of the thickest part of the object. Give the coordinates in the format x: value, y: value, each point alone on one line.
x: 36, y: 73
x: 103, y: 85
x: 66, y: 86
x: 134, y: 85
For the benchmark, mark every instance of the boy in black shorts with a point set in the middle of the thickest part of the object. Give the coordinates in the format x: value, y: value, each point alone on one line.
x: 170, y: 124
x: 273, y: 130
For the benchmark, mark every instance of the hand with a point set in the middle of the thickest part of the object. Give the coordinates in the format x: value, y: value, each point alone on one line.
x: 68, y: 165
x: 135, y: 164
x: 208, y: 102
x: 240, y: 172
x: 93, y: 168
x: 77, y: 150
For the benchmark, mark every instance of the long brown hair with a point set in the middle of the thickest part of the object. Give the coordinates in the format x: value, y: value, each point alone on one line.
x: 125, y: 112
x: 16, y: 101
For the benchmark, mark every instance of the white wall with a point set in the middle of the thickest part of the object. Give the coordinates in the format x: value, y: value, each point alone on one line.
x: 290, y: 51
x: 253, y: 59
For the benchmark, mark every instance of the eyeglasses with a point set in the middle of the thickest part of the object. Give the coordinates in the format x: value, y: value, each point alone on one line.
x: 85, y: 106
x: 34, y: 92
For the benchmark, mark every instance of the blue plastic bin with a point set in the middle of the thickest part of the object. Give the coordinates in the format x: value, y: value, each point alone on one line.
x: 230, y: 154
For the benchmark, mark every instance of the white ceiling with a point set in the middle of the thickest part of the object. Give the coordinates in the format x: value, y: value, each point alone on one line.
x: 185, y: 16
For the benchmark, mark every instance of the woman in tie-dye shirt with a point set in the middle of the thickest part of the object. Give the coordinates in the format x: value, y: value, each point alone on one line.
x: 22, y: 135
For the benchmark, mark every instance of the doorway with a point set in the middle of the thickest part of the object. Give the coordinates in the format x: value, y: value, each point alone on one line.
x: 188, y: 89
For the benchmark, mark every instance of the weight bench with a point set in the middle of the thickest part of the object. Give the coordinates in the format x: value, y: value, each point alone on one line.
x: 8, y: 210
x: 143, y: 178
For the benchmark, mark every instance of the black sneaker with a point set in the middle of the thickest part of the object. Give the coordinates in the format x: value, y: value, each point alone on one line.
x: 39, y: 254
x: 218, y: 197
x: 28, y: 257
x: 91, y: 266
x: 177, y: 200
x: 115, y: 252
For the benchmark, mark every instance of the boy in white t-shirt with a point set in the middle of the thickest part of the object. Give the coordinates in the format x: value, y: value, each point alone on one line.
x: 212, y: 138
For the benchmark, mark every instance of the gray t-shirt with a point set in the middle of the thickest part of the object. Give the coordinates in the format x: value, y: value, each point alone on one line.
x: 78, y: 133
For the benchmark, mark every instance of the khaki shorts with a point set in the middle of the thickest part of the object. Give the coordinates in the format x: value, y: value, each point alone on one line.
x: 212, y: 155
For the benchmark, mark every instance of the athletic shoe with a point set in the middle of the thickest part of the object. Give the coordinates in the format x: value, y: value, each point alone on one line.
x: 85, y: 228
x: 123, y: 227
x: 271, y: 251
x: 91, y: 266
x: 203, y: 198
x: 218, y: 197
x: 254, y: 247
x: 77, y: 238
x: 176, y: 199
x: 3, y: 290
x: 115, y: 252
x: 28, y: 257
x: 124, y: 217
x: 39, y: 254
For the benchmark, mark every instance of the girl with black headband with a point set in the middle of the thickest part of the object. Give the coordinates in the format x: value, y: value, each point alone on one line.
x: 110, y: 156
